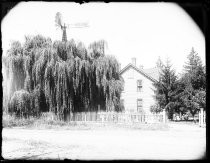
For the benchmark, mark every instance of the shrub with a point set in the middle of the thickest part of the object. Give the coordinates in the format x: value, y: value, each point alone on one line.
x: 155, y: 108
x: 20, y: 104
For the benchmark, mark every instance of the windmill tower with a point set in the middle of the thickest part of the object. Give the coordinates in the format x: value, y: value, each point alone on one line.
x: 64, y: 37
x: 63, y: 26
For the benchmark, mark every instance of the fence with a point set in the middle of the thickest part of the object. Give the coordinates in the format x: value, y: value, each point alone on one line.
x: 202, y: 118
x: 113, y: 117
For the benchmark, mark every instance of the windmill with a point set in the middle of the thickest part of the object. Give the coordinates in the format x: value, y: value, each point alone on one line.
x: 60, y: 24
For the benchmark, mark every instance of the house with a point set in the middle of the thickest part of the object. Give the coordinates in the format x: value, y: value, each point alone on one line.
x: 138, y: 93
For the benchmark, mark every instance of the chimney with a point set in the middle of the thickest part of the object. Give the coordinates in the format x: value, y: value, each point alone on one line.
x: 141, y: 66
x: 133, y: 61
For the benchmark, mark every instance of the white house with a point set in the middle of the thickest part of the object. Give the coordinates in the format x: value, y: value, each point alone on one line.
x: 138, y: 93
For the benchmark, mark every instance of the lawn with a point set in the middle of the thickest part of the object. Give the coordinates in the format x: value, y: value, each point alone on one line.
x: 174, y: 141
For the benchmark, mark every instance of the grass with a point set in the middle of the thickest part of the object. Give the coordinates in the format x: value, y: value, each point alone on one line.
x: 11, y: 121
x: 188, y: 122
x: 45, y: 122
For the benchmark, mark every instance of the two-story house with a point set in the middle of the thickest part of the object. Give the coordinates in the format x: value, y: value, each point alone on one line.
x: 138, y: 93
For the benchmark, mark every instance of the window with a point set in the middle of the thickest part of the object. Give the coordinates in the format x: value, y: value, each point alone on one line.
x: 139, y: 105
x: 139, y: 85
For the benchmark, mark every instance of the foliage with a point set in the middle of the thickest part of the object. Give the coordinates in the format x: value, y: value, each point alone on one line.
x: 187, y: 94
x: 194, y: 79
x: 155, y: 108
x: 64, y: 77
x: 194, y: 72
x: 166, y: 92
x: 20, y: 103
x: 159, y: 63
x: 200, y: 98
x: 13, y: 72
x: 9, y: 121
x: 97, y: 49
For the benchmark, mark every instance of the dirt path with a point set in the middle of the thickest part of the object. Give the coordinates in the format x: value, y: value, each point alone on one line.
x: 179, y: 142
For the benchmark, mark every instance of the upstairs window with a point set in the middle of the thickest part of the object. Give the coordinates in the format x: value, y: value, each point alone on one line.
x: 139, y: 85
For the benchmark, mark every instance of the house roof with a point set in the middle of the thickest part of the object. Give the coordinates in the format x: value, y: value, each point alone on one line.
x: 152, y: 74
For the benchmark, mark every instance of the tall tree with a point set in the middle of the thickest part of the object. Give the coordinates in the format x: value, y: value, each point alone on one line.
x: 194, y: 79
x: 195, y: 71
x: 15, y: 68
x: 166, y: 88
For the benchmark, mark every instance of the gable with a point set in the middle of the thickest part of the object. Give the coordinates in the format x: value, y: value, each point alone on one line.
x: 134, y: 68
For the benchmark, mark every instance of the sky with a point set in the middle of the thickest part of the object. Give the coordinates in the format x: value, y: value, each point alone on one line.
x: 145, y: 31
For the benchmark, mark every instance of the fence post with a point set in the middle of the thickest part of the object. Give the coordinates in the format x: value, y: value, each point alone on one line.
x: 201, y: 117
x: 164, y: 116
x: 204, y: 117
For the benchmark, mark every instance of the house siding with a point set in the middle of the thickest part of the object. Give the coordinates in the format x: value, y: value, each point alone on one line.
x: 130, y: 94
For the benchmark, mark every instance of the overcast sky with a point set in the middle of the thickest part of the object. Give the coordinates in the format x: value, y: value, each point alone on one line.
x: 142, y: 30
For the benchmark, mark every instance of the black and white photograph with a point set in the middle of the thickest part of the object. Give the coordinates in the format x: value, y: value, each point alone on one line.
x: 103, y: 81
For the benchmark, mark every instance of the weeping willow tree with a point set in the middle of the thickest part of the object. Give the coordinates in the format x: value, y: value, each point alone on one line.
x: 63, y: 77
x: 16, y: 66
x: 5, y: 83
x: 13, y: 72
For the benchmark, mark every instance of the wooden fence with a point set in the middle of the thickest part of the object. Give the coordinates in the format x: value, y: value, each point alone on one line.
x: 113, y: 117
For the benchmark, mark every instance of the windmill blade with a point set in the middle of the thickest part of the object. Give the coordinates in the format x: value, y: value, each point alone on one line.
x: 58, y: 19
x: 57, y: 26
x: 78, y: 25
x: 81, y: 24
